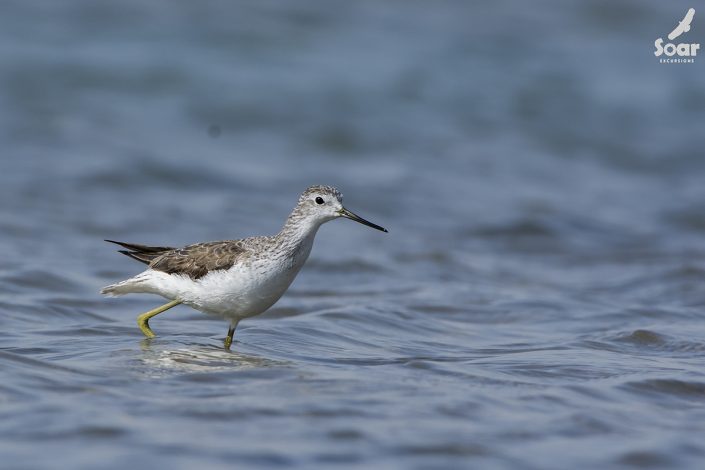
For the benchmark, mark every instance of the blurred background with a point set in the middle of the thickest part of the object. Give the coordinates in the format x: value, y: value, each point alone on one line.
x: 538, y: 302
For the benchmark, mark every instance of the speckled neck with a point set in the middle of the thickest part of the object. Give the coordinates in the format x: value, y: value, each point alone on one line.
x: 298, y: 230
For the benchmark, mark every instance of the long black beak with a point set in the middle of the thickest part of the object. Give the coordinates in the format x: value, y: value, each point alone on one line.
x: 346, y: 213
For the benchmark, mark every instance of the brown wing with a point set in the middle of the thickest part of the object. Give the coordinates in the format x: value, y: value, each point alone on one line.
x: 195, y: 261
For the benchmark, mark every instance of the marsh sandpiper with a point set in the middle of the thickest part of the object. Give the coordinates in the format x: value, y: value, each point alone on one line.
x: 234, y: 279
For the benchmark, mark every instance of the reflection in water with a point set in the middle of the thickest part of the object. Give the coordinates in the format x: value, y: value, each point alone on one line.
x: 158, y: 360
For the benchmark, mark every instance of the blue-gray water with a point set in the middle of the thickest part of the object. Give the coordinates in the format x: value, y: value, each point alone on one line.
x: 539, y: 301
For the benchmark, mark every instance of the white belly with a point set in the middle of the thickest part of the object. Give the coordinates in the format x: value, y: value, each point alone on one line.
x: 242, y: 291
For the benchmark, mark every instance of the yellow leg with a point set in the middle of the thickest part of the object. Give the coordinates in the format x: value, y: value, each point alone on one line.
x: 231, y: 333
x: 143, y: 320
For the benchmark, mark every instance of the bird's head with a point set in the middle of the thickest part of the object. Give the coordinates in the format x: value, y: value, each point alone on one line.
x: 324, y: 203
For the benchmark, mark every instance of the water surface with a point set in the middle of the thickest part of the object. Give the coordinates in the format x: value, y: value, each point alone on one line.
x: 538, y: 302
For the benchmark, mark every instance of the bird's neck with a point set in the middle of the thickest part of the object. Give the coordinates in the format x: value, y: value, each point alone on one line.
x: 298, y: 232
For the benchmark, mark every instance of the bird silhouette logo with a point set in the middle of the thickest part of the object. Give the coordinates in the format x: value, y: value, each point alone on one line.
x: 682, y: 53
x: 683, y: 26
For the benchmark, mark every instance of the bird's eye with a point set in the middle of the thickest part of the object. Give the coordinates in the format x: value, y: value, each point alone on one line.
x: 319, y: 200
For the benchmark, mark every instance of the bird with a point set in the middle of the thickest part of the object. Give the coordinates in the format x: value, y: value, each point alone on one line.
x: 683, y: 26
x: 233, y: 279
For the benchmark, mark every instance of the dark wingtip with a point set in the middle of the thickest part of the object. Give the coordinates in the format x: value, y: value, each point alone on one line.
x: 134, y: 256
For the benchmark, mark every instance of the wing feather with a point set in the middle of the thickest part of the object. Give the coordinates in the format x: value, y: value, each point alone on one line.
x: 142, y: 253
x: 198, y: 260
x: 194, y: 261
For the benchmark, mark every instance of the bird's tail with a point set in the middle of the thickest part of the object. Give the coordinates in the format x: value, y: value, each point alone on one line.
x: 134, y: 285
x: 114, y: 290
